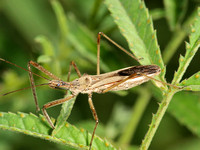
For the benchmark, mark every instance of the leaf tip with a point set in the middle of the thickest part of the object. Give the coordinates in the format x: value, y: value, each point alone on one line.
x: 187, y: 45
x: 141, y: 5
x: 181, y: 58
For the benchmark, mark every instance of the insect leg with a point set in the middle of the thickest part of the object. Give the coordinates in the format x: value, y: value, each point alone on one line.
x: 94, y: 115
x: 98, y: 53
x: 33, y: 87
x: 114, y: 43
x: 51, y: 104
x: 39, y: 67
x: 72, y: 63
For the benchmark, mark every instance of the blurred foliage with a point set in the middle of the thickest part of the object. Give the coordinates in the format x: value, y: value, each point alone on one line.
x: 37, y: 30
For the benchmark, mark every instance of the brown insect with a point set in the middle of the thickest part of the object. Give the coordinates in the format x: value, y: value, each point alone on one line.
x: 121, y: 79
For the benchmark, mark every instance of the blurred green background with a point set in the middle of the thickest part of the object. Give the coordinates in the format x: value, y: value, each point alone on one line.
x: 29, y: 30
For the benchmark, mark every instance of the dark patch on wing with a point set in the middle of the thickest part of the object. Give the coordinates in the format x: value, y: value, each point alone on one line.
x: 147, y: 69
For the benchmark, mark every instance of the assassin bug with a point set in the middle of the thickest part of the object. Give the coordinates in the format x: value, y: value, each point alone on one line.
x: 121, y: 79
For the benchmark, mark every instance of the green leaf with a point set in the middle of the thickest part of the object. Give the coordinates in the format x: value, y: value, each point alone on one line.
x: 62, y: 21
x: 47, y: 46
x: 49, y: 55
x: 185, y: 107
x: 35, y: 126
x: 64, y: 114
x: 193, y: 83
x: 44, y: 59
x: 191, y: 49
x: 89, y: 126
x: 175, y: 11
x: 135, y: 24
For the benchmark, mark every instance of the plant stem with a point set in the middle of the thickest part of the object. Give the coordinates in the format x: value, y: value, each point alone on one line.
x: 137, y: 112
x: 157, y: 13
x: 157, y: 119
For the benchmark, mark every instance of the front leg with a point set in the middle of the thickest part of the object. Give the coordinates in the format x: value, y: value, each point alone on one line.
x: 51, y: 104
x: 33, y: 87
x: 37, y: 66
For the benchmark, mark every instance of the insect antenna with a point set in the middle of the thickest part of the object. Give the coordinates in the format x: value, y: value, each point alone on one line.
x: 22, y: 89
x: 24, y: 69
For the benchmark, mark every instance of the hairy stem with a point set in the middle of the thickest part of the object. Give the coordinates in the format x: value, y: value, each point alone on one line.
x: 157, y: 119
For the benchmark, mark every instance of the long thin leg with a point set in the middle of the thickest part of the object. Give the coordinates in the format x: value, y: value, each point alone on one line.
x: 95, y: 117
x: 36, y: 65
x: 33, y: 88
x: 51, y: 104
x: 114, y: 43
x: 72, y: 63
x: 98, y: 53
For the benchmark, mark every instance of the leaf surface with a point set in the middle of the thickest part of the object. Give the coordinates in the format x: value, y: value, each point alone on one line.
x: 135, y: 24
x: 68, y: 135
